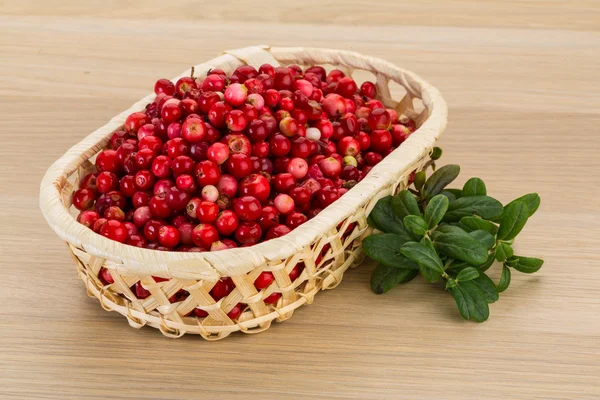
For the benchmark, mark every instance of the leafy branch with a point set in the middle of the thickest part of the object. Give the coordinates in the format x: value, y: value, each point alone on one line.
x: 451, y: 236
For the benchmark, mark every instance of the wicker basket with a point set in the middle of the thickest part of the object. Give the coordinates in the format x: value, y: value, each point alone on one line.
x: 327, y: 244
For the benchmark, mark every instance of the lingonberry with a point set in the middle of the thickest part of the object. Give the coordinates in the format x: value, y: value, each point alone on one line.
x: 374, y: 104
x: 151, y: 230
x: 177, y: 199
x: 193, y: 130
x: 272, y: 298
x: 169, y: 236
x: 106, y: 181
x: 227, y: 185
x: 264, y: 280
x: 114, y: 212
x: 261, y: 149
x: 399, y: 134
x: 140, y: 199
x: 198, y: 151
x: 379, y: 118
x: 207, y: 173
x: 141, y: 216
x: 214, y: 83
x: 192, y: 207
x: 185, y: 232
x: 283, y: 79
x: 277, y: 231
x: 267, y: 69
x: 108, y: 160
x: 300, y: 195
x: 217, y: 112
x: 284, y: 203
x: 350, y: 173
x: 255, y: 185
x: 257, y: 101
x: 335, y: 75
x: 286, y: 104
x: 210, y: 193
x: 280, y: 145
x: 88, y: 218
x: 295, y: 219
x: 227, y: 222
x: 381, y: 141
x: 204, y: 235
x: 268, y: 218
x: 238, y: 143
x: 170, y: 112
x: 288, y: 126
x: 162, y: 186
x: 284, y: 182
x: 239, y: 165
x: 161, y: 166
x: 326, y: 196
x: 136, y: 240
x: 298, y: 168
x: 247, y: 208
x: 346, y: 87
x: 164, y: 86
x: 330, y: 167
x: 144, y: 180
x: 182, y: 165
x: 135, y: 121
x: 83, y: 199
x: 348, y: 146
x: 207, y: 212
x: 176, y: 147
x: 248, y: 233
x: 236, y: 94
x: 245, y: 72
x: 159, y: 207
x: 114, y: 230
x: 368, y: 89
x: 236, y: 120
x: 184, y: 85
x: 235, y: 312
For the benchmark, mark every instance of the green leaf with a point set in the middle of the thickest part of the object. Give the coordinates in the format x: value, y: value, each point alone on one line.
x: 440, y: 179
x: 423, y: 254
x: 487, y: 287
x: 470, y: 224
x: 484, y: 238
x: 532, y: 200
x: 504, y: 279
x: 527, y: 265
x: 484, y: 206
x: 503, y: 251
x: 452, y: 194
x: 415, y: 224
x: 385, y: 277
x: 386, y: 220
x: 474, y: 187
x: 470, y: 302
x: 487, y: 264
x: 461, y: 246
x: 513, y: 220
x: 450, y: 283
x: 404, y: 203
x: 467, y: 274
x: 435, y: 210
x: 385, y: 248
x: 512, y: 261
x: 430, y: 275
x: 436, y: 153
x: 420, y: 178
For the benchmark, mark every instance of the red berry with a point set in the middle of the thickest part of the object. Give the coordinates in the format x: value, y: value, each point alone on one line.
x: 227, y: 185
x: 171, y: 112
x: 284, y: 203
x: 161, y: 166
x: 346, y: 87
x: 177, y: 199
x: 114, y: 212
x: 207, y: 212
x: 83, y: 199
x: 204, y: 235
x: 151, y: 230
x: 164, y: 86
x: 277, y: 231
x: 217, y: 112
x: 248, y: 233
x: 283, y: 79
x: 108, y: 160
x: 368, y: 89
x: 247, y: 208
x: 218, y: 153
x: 193, y: 130
x: 88, y: 218
x: 176, y: 147
x: 331, y: 167
x: 280, y: 145
x: 326, y: 196
x: 182, y: 165
x: 184, y: 85
x: 135, y: 121
x: 144, y: 180
x: 264, y: 280
x: 236, y: 120
x: 348, y: 146
x: 239, y: 165
x: 381, y: 141
x: 226, y: 222
x: 379, y: 118
x: 214, y: 83
x: 114, y: 230
x: 284, y: 182
x: 399, y: 134
x: 207, y: 173
x: 238, y: 144
x: 295, y: 219
x: 159, y: 207
x: 235, y: 312
x: 273, y: 298
x: 255, y: 185
x: 300, y: 195
x: 268, y: 218
x: 169, y: 236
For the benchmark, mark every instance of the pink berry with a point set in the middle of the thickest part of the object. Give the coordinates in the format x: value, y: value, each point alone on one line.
x: 236, y: 94
x: 193, y: 130
x: 330, y: 167
x: 210, y: 193
x: 284, y: 203
x: 298, y: 168
x: 218, y: 153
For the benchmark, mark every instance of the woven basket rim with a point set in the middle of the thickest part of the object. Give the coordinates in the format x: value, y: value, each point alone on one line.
x: 231, y: 262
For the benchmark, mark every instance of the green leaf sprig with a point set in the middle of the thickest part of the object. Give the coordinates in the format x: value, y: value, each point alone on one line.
x: 451, y: 236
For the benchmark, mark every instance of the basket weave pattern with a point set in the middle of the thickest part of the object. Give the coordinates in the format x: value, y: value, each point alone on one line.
x: 327, y: 245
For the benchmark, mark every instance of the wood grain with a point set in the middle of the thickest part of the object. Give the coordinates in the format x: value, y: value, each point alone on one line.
x: 523, y: 86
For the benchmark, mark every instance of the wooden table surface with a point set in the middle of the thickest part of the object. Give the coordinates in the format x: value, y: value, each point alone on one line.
x: 522, y: 81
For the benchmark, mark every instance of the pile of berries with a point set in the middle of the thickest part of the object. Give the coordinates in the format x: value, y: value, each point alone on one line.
x: 230, y: 161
